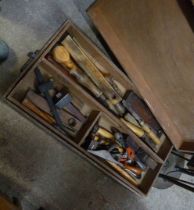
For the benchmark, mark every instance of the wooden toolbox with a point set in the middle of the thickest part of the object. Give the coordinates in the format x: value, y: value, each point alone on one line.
x: 22, y: 92
x: 118, y: 132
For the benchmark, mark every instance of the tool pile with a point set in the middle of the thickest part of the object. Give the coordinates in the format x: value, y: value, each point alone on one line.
x: 120, y: 151
x: 59, y: 105
x: 125, y: 104
x: 53, y: 106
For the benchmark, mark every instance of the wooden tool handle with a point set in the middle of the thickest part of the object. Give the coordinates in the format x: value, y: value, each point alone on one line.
x: 123, y: 173
x: 136, y: 170
x: 137, y: 130
x: 106, y: 134
x: 45, y: 116
x: 62, y: 56
x: 150, y: 133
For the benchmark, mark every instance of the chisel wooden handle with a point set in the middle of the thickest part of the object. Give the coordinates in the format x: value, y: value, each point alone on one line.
x: 62, y: 56
x: 137, y: 130
x: 106, y: 134
x: 123, y: 173
x: 150, y: 133
x: 27, y: 103
x: 141, y: 132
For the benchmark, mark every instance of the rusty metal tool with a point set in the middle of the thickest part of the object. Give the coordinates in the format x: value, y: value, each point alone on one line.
x: 63, y: 100
x: 127, y: 102
x: 44, y: 115
x: 136, y: 104
x: 68, y: 119
x: 44, y: 87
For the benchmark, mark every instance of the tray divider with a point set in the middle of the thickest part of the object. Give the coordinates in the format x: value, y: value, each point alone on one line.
x: 87, y: 127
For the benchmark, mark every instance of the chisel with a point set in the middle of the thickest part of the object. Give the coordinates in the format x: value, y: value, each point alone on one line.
x: 62, y: 56
x: 149, y: 132
x: 90, y: 69
x: 115, y: 164
x: 124, y: 173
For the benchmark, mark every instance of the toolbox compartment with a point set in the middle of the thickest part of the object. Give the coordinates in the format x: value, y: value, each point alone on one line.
x: 93, y: 109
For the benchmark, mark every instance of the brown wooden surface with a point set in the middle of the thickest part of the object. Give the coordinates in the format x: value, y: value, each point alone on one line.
x: 155, y: 44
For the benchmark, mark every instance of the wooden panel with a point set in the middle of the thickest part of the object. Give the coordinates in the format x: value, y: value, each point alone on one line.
x: 154, y: 43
